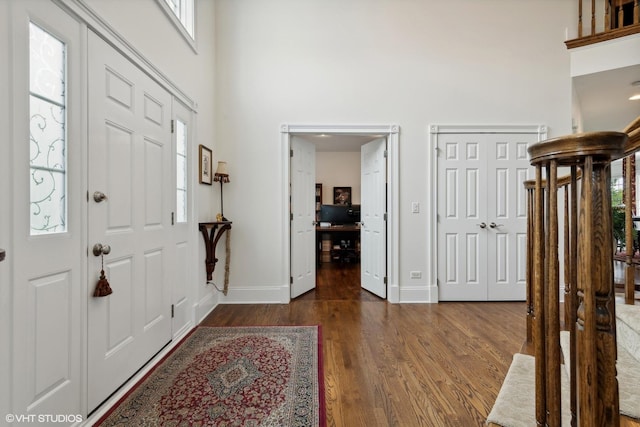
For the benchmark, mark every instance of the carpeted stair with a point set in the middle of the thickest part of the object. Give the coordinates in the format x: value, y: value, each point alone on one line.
x: 515, y: 404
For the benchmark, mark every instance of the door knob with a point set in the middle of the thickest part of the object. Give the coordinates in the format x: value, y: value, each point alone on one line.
x: 100, y: 249
x: 494, y: 225
x: 482, y: 225
x: 99, y: 196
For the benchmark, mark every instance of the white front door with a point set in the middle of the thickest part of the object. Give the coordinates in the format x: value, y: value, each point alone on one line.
x: 373, y: 208
x: 129, y: 160
x: 303, y: 219
x: 482, y: 215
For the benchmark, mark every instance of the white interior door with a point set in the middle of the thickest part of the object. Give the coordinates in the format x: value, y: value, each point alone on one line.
x: 508, y: 167
x: 303, y: 228
x: 482, y: 216
x: 130, y: 162
x: 373, y: 207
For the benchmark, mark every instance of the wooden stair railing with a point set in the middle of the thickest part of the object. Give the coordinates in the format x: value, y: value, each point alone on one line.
x: 621, y: 18
x: 593, y: 382
x: 631, y: 147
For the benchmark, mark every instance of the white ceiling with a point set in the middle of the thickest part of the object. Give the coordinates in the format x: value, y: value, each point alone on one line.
x: 604, y: 98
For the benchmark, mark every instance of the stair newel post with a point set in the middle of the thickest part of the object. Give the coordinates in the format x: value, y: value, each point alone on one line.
x: 595, y: 334
x: 538, y: 304
x: 552, y: 303
x: 595, y: 331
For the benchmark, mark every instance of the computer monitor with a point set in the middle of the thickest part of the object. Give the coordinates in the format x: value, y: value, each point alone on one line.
x: 340, y: 214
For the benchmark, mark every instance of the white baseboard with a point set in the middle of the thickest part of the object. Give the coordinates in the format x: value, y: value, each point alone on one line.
x: 419, y: 294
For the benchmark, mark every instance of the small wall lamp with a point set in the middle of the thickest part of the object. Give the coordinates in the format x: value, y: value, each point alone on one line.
x: 221, y: 175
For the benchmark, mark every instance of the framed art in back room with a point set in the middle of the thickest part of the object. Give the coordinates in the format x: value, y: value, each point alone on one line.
x: 341, y: 195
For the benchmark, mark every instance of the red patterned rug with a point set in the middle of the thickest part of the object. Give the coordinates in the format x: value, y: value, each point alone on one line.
x: 232, y: 376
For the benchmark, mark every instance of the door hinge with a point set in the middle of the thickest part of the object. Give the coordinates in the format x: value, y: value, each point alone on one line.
x: 291, y: 153
x: 386, y: 154
x: 385, y: 216
x: 172, y: 218
x: 291, y: 280
x: 172, y: 126
x: 290, y: 216
x: 173, y: 312
x: 385, y: 280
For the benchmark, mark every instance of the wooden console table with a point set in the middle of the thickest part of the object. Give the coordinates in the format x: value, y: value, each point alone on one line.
x: 211, y: 232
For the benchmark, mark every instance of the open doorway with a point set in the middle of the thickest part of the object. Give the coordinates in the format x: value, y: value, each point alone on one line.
x: 340, y: 146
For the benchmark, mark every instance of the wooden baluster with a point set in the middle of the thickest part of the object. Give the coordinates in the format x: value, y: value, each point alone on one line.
x: 636, y: 12
x: 596, y: 340
x: 585, y: 322
x: 530, y: 257
x: 552, y: 306
x: 567, y: 256
x: 620, y: 15
x: 579, y: 18
x: 607, y: 16
x: 572, y: 302
x: 538, y: 286
x: 629, y: 276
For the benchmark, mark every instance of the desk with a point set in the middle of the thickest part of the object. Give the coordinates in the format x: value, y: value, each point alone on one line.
x: 335, y: 234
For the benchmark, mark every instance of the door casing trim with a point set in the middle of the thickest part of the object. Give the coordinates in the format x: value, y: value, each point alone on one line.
x: 392, y: 133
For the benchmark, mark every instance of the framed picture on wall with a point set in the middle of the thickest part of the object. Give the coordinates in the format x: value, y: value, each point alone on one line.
x: 341, y: 195
x: 205, y: 164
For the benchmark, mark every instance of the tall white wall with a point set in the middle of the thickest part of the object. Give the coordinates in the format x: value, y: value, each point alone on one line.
x: 409, y: 62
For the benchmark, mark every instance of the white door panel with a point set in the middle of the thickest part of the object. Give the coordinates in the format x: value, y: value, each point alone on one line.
x: 482, y: 215
x: 372, y: 214
x: 303, y: 229
x: 46, y: 295
x: 179, y: 250
x: 129, y: 161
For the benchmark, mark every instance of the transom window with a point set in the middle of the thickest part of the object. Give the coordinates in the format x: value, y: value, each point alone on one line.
x: 47, y: 132
x: 184, y: 12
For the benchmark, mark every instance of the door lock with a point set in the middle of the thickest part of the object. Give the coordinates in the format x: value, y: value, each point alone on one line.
x: 494, y: 225
x: 100, y: 249
x: 482, y: 225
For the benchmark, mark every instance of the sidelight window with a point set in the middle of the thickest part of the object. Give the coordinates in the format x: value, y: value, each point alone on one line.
x: 181, y: 171
x: 47, y: 132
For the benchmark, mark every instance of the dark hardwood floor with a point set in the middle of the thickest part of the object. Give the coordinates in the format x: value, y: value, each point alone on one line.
x: 398, y: 364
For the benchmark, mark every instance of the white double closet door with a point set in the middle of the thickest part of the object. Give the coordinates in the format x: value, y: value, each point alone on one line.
x: 482, y: 215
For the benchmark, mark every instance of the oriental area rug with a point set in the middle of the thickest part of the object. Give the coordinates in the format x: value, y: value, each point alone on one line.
x: 232, y: 376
